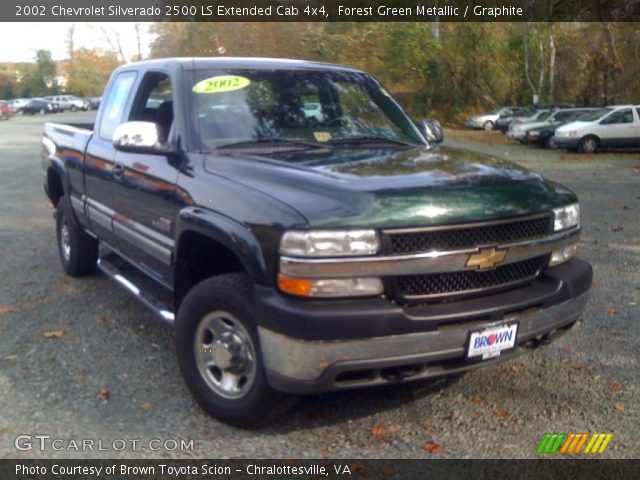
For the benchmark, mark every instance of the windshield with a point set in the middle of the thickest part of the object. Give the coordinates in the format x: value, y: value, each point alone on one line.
x: 238, y: 106
x: 596, y: 115
x: 543, y: 115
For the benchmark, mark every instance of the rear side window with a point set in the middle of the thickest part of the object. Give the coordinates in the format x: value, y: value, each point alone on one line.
x: 115, y: 104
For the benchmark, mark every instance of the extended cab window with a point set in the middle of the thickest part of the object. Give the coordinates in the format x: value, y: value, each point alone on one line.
x: 621, y: 116
x: 154, y: 103
x: 115, y: 104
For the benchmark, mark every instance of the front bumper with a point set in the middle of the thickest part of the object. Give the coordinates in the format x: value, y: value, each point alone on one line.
x: 314, y: 346
x: 566, y: 142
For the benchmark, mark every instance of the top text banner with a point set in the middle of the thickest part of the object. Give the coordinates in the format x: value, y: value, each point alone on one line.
x: 319, y: 10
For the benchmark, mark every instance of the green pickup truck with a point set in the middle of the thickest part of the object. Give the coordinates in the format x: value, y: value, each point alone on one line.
x: 303, y: 234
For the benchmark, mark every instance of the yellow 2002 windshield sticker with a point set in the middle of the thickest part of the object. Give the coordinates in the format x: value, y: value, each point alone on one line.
x: 221, y: 83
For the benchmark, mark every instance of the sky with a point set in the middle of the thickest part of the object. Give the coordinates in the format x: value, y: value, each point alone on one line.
x: 19, y: 41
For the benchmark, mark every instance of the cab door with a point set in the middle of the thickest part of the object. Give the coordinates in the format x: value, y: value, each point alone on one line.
x: 144, y: 187
x: 100, y: 158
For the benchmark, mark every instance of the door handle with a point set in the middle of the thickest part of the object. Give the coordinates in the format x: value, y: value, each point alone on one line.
x: 118, y: 169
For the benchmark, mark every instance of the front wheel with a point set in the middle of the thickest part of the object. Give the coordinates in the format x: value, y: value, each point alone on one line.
x: 220, y: 357
x: 589, y: 144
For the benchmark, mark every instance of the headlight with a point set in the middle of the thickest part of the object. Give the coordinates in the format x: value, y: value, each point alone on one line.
x: 562, y: 255
x: 329, y: 243
x: 330, y: 287
x: 566, y: 217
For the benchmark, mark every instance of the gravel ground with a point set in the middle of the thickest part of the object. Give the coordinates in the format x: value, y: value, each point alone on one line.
x: 586, y: 381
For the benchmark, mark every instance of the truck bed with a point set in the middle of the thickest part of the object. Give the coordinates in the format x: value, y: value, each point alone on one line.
x: 73, y: 136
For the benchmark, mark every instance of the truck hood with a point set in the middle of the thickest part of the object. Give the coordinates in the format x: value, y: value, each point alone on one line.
x: 388, y: 187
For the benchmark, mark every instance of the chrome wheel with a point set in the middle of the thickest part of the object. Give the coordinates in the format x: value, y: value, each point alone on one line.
x: 225, y: 355
x: 65, y: 241
x: 589, y: 145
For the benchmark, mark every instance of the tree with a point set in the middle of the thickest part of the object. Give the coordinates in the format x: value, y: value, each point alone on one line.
x: 90, y: 72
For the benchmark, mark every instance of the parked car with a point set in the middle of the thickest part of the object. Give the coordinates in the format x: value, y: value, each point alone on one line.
x: 94, y: 102
x: 40, y: 106
x: 17, y: 104
x: 488, y: 120
x: 617, y: 126
x: 503, y: 124
x: 302, y: 257
x: 543, y: 135
x: 5, y: 110
x: 518, y: 131
x: 70, y: 102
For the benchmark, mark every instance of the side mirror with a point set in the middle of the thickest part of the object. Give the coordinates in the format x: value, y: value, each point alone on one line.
x: 432, y: 130
x: 140, y: 137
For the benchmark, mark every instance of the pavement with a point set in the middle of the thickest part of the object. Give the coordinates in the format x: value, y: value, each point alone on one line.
x: 81, y: 360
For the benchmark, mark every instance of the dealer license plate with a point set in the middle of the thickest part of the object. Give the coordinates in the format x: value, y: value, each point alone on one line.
x: 489, y: 342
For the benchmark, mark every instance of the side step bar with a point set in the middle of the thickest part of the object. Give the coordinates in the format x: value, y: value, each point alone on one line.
x: 146, y: 298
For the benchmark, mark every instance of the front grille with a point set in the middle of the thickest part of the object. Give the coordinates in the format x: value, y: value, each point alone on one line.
x: 470, y: 236
x: 436, y: 285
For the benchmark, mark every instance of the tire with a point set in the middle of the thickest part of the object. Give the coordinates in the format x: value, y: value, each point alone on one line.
x: 214, y: 322
x: 488, y: 125
x: 589, y: 144
x: 73, y: 108
x: 77, y: 250
x: 549, y: 143
x: 42, y: 111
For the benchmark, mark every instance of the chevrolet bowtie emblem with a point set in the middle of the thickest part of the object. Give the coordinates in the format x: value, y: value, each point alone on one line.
x: 486, y: 258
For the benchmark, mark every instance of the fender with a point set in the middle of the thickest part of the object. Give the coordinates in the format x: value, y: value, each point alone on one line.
x: 229, y: 233
x: 51, y: 162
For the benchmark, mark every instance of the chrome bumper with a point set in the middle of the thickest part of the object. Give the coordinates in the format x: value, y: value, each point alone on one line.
x: 303, y: 366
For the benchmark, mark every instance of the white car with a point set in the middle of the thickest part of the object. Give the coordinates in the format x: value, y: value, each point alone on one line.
x: 518, y: 131
x: 70, y: 102
x: 488, y: 120
x: 617, y: 126
x: 18, y: 103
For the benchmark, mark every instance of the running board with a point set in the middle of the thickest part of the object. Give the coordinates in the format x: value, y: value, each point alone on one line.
x: 145, y: 297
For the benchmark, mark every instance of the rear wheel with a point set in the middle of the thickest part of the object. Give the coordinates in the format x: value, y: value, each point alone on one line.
x: 74, y: 108
x: 42, y: 111
x: 220, y: 357
x: 488, y: 125
x: 589, y: 144
x: 78, y: 251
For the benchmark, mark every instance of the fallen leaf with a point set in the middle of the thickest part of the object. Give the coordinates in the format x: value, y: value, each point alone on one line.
x: 432, y: 447
x: 50, y: 206
x: 624, y: 207
x: 612, y: 310
x: 6, y: 309
x: 501, y: 414
x: 594, y: 284
x: 11, y: 358
x: 101, y: 319
x: 619, y: 407
x: 379, y: 431
x: 614, y: 386
x: 618, y: 334
x: 477, y: 400
x: 515, y: 368
x: 103, y: 394
x: 55, y: 334
x: 576, y: 366
x: 617, y: 229
x: 145, y: 406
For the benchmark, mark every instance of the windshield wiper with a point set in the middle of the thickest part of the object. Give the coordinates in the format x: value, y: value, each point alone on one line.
x: 276, y: 140
x: 370, y: 139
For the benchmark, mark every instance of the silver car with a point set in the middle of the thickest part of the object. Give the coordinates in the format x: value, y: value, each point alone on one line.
x: 488, y: 120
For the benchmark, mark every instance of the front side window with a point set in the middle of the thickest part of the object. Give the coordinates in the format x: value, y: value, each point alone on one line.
x: 249, y: 105
x: 115, y: 104
x: 618, y: 117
